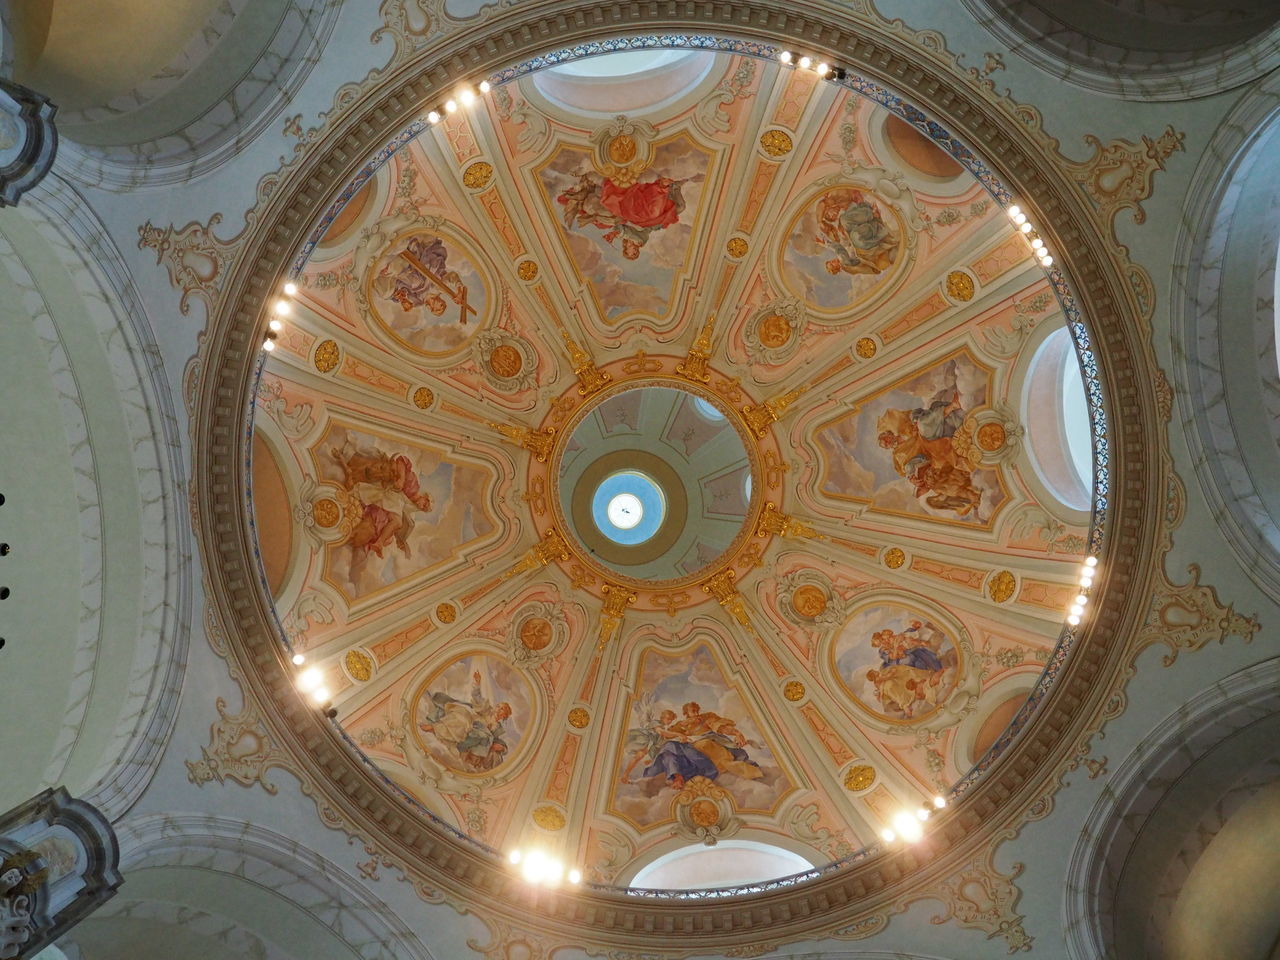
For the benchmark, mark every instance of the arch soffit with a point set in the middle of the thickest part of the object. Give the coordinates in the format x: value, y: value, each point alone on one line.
x: 919, y: 66
x: 1229, y: 200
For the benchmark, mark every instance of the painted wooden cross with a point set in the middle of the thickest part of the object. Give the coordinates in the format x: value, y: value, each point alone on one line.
x: 458, y: 296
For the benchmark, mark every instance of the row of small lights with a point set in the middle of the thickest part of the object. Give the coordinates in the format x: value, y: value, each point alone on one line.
x: 542, y: 869
x: 1025, y: 227
x: 1087, y: 572
x: 909, y: 824
x: 279, y: 310
x: 804, y: 62
x: 465, y: 97
x: 311, y: 682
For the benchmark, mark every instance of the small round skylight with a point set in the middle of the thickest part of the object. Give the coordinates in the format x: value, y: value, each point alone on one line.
x: 628, y: 507
x: 707, y: 409
x: 625, y: 510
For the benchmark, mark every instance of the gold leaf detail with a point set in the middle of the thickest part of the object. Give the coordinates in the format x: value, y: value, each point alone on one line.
x: 865, y: 348
x: 894, y: 558
x: 446, y: 613
x: 1000, y: 587
x: 527, y: 270
x: 423, y: 398
x: 859, y: 777
x: 326, y: 356
x: 579, y: 718
x: 776, y: 143
x: 793, y: 691
x: 326, y: 512
x: 736, y: 247
x: 549, y: 818
x: 358, y: 665
x: 477, y: 175
x: 959, y: 286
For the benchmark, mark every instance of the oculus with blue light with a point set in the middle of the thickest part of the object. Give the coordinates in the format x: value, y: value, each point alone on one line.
x: 628, y: 507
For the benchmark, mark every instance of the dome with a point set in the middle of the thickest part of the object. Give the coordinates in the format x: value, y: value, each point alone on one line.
x: 669, y: 473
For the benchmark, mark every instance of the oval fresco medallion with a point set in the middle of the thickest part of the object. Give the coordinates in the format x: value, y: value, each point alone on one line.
x: 843, y: 246
x: 472, y: 715
x: 896, y: 662
x: 428, y: 291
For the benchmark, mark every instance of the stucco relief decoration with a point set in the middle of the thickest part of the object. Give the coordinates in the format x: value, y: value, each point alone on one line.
x: 1120, y: 174
x: 772, y: 336
x: 193, y: 256
x: 538, y: 631
x: 240, y: 748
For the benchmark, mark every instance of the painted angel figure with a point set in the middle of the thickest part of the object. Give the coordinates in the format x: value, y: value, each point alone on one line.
x: 388, y: 492
x: 629, y: 214
x: 665, y: 751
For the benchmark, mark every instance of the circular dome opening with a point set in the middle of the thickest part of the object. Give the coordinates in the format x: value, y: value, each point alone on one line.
x: 628, y: 507
x: 1057, y: 416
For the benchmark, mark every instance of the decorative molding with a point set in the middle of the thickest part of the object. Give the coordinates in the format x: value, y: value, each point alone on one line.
x: 241, y: 748
x: 1120, y: 174
x: 28, y: 139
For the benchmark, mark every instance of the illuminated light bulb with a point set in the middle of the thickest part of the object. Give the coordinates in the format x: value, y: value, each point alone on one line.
x: 309, y: 679
x: 1037, y: 244
x: 805, y: 63
x: 275, y: 325
x: 291, y: 289
x: 1073, y: 620
x: 514, y: 856
x: 450, y: 106
x: 908, y: 826
x: 939, y: 802
x: 433, y: 117
x: 1015, y: 211
x: 298, y: 659
x: 888, y: 836
x: 575, y: 876
x: 1086, y: 582
x: 785, y: 56
x: 1081, y: 600
x: 1025, y: 228
x: 467, y: 97
x: 1090, y: 561
x: 922, y: 814
x: 1076, y: 610
x: 485, y: 86
x: 1019, y: 217
x: 823, y: 69
x: 283, y: 308
x: 268, y: 345
x: 320, y: 694
x: 1046, y: 261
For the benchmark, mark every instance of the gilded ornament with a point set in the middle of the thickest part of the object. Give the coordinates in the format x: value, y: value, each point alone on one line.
x: 505, y: 361
x: 622, y: 149
x: 535, y: 633
x: 423, y: 398
x: 1000, y: 586
x: 859, y: 777
x: 776, y: 143
x: 894, y: 558
x: 809, y: 600
x: 793, y: 691
x: 704, y: 813
x: 527, y: 270
x: 477, y: 175
x: 446, y: 613
x: 865, y: 348
x: 736, y: 247
x: 775, y: 331
x: 579, y: 718
x: 991, y: 436
x: 358, y: 665
x: 549, y: 818
x: 959, y: 286
x: 326, y: 356
x: 326, y: 512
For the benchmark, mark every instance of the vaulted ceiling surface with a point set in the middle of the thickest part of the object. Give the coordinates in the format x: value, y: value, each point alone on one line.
x: 751, y: 235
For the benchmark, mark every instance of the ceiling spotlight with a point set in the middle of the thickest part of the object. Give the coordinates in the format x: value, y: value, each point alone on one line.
x: 283, y: 308
x: 320, y: 694
x: 309, y: 679
x: 1037, y: 244
x: 1025, y: 228
x: 575, y: 876
x: 823, y: 69
x: 908, y: 826
x: 939, y: 802
x: 268, y: 345
x: 514, y: 856
x: 450, y: 106
x: 1076, y: 610
x: 1015, y: 211
x: 275, y: 325
x: 922, y: 814
x: 785, y: 56
x: 485, y: 86
x: 298, y: 659
x: 291, y: 289
x: 887, y: 835
x: 1086, y: 582
x: 1018, y: 217
x: 1081, y: 599
x: 433, y: 116
x: 805, y: 63
x: 467, y: 97
x: 1073, y: 620
x: 1090, y: 561
x: 1046, y: 261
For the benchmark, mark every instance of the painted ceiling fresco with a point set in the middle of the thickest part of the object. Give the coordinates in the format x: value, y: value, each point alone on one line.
x: 896, y: 570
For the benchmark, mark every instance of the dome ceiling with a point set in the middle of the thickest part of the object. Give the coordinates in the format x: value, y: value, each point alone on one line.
x: 806, y: 326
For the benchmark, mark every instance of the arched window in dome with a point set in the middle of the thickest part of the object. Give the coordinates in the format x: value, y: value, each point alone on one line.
x: 1057, y: 418
x: 625, y: 81
x: 730, y: 863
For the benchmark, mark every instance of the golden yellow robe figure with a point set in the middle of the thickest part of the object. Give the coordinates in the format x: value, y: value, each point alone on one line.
x: 708, y: 733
